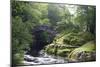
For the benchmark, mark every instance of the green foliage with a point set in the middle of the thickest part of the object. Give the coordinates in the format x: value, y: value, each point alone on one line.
x: 17, y: 59
x: 45, y: 36
x: 87, y: 36
x: 53, y: 13
x: 86, y: 18
x: 21, y: 35
x: 78, y: 39
x: 21, y: 39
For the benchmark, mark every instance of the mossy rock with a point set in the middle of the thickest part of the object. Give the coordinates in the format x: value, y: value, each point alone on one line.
x: 63, y: 52
x: 72, y: 41
x: 84, y: 53
x: 78, y: 39
x: 49, y: 49
x: 57, y: 50
x: 87, y: 36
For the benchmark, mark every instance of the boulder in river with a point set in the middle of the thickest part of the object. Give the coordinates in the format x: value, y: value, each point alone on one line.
x: 85, y: 53
x: 29, y: 58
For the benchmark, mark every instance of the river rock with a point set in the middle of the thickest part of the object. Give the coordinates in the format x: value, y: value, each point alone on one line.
x: 29, y: 58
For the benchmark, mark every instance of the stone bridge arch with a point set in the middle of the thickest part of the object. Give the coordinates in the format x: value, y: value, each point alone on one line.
x: 44, y: 35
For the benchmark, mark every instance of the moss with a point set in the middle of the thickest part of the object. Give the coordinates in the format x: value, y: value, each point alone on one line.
x: 71, y: 41
x: 87, y: 48
x: 78, y: 39
x: 58, y: 50
x: 49, y: 50
x: 63, y: 52
x: 86, y: 36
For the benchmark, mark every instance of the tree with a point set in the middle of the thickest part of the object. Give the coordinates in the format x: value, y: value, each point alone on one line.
x: 21, y: 39
x: 86, y: 18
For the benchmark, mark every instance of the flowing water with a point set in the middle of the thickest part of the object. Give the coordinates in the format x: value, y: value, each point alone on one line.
x: 43, y: 58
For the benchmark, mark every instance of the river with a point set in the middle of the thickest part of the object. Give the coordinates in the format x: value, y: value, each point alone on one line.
x: 43, y: 58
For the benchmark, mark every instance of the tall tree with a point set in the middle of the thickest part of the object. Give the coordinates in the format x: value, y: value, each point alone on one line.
x: 85, y: 18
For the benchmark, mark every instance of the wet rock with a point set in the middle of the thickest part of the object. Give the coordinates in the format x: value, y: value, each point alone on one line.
x: 36, y: 61
x: 29, y: 58
x: 47, y: 59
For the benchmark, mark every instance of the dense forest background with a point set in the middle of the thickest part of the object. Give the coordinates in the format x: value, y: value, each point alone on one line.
x: 73, y: 29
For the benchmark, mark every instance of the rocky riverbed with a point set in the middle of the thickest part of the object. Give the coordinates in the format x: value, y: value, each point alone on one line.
x: 43, y: 58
